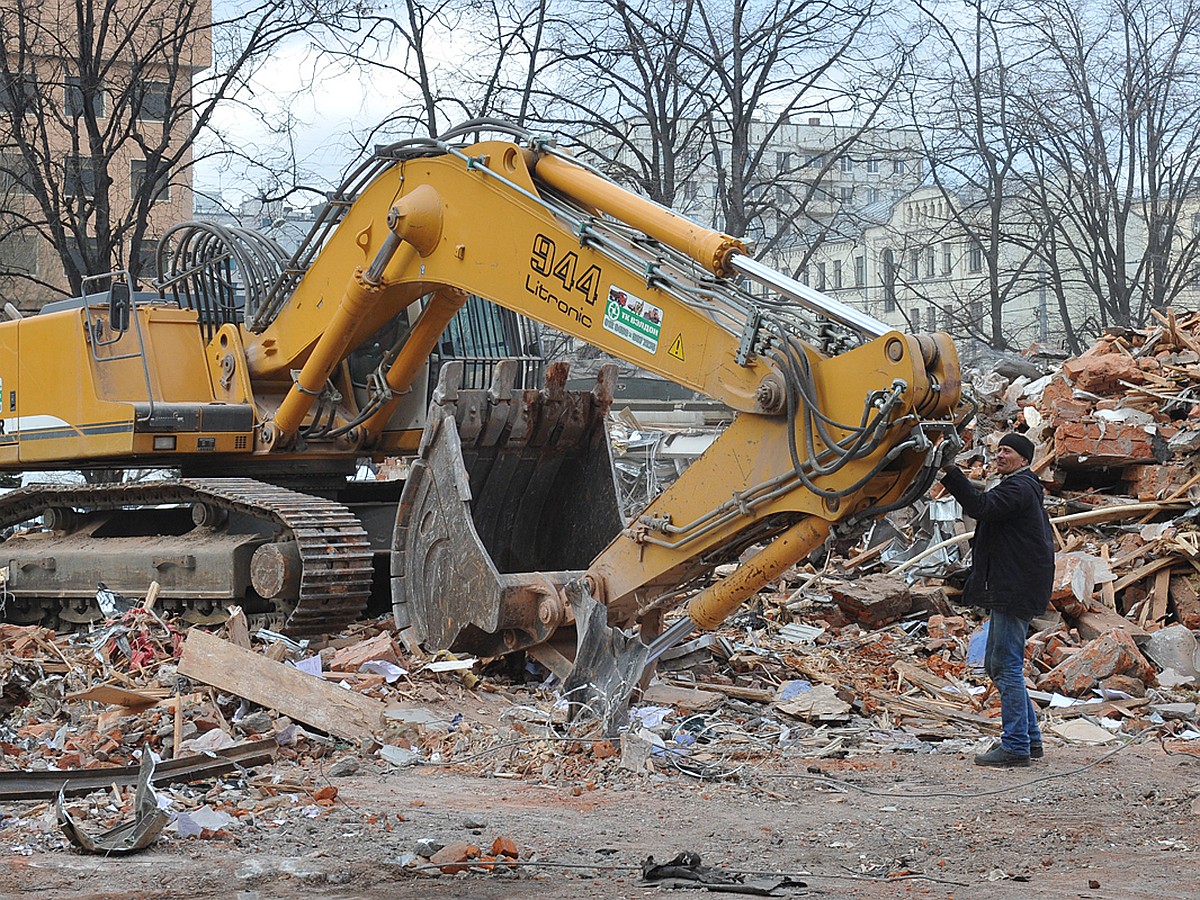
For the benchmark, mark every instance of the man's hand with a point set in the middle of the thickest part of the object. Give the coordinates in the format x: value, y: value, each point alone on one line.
x: 948, y: 449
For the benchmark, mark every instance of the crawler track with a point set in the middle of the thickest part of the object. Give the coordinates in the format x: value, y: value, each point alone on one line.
x: 335, y: 552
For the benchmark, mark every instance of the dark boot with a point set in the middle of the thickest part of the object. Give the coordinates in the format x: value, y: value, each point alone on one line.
x: 1000, y: 758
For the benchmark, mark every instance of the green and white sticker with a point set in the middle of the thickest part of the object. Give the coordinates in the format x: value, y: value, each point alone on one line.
x: 633, y: 319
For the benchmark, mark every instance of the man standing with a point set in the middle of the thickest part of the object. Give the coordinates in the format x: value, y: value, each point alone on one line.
x: 1012, y: 574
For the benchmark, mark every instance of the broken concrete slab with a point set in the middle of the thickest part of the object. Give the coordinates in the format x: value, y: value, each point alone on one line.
x: 1175, y: 648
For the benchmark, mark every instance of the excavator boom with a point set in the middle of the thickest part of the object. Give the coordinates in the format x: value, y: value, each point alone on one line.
x: 506, y: 535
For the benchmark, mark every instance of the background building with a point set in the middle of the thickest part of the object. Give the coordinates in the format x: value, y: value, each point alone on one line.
x: 95, y: 129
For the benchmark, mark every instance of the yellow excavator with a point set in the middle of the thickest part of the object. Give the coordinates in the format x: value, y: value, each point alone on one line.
x: 261, y: 380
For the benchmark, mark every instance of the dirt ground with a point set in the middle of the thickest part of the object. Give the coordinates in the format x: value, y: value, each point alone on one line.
x: 882, y: 825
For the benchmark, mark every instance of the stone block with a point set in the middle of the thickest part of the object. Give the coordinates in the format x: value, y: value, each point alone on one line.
x: 874, y: 600
x: 1113, y: 653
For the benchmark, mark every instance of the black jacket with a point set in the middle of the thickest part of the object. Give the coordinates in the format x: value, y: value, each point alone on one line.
x: 1012, y: 553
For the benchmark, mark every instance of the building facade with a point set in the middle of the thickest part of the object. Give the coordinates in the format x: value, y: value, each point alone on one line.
x: 81, y: 126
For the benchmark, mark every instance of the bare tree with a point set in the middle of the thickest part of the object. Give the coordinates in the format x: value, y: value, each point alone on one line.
x: 442, y: 63
x: 962, y: 103
x: 1115, y: 135
x: 103, y: 104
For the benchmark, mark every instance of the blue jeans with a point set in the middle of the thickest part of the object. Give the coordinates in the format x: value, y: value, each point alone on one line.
x: 1004, y: 662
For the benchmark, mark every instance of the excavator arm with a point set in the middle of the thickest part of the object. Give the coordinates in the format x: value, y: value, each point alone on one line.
x: 506, y: 536
x: 821, y: 437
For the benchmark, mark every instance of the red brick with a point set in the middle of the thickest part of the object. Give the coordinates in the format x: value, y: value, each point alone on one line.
x: 946, y: 626
x: 1058, y: 400
x: 448, y: 856
x: 1185, y: 594
x: 1102, y: 373
x: 1153, y: 482
x: 1102, y: 445
x: 874, y: 600
x: 1113, y: 653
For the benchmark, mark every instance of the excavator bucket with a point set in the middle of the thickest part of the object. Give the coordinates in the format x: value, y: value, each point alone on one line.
x: 511, y: 496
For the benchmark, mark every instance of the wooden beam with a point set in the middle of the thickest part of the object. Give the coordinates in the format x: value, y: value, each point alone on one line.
x: 1108, y: 596
x: 298, y: 695
x: 1142, y: 571
x: 1158, y: 596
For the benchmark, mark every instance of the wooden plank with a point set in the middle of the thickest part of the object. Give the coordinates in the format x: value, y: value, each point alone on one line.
x: 1108, y: 595
x: 1158, y: 596
x: 1096, y: 622
x: 867, y: 555
x: 341, y: 713
x: 755, y: 695
x: 1100, y: 707
x: 151, y: 596
x: 119, y: 696
x: 1142, y: 571
x: 933, y: 685
x: 685, y: 698
x: 891, y: 701
x: 237, y: 628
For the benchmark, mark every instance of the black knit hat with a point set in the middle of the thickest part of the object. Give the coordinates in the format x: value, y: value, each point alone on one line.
x: 1020, y: 443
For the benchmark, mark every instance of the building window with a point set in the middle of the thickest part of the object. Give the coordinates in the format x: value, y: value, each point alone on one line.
x: 837, y: 274
x: 847, y: 164
x: 152, y: 99
x: 914, y: 264
x: 873, y: 166
x: 820, y: 276
x: 79, y: 176
x: 975, y: 257
x: 873, y: 195
x: 929, y: 262
x: 976, y: 306
x: 143, y: 264
x: 897, y: 167
x: 137, y: 177
x: 74, y: 98
x: 14, y: 175
x: 19, y: 254
x: 18, y: 94
x: 92, y: 249
x: 914, y: 319
x: 889, y: 281
x: 847, y: 193
x: 931, y: 318
x: 860, y: 271
x: 947, y: 259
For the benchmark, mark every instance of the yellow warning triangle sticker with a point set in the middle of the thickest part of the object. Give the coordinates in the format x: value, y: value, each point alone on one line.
x: 676, y: 348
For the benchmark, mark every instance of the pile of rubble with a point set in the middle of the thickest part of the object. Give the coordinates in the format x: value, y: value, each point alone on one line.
x: 864, y: 653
